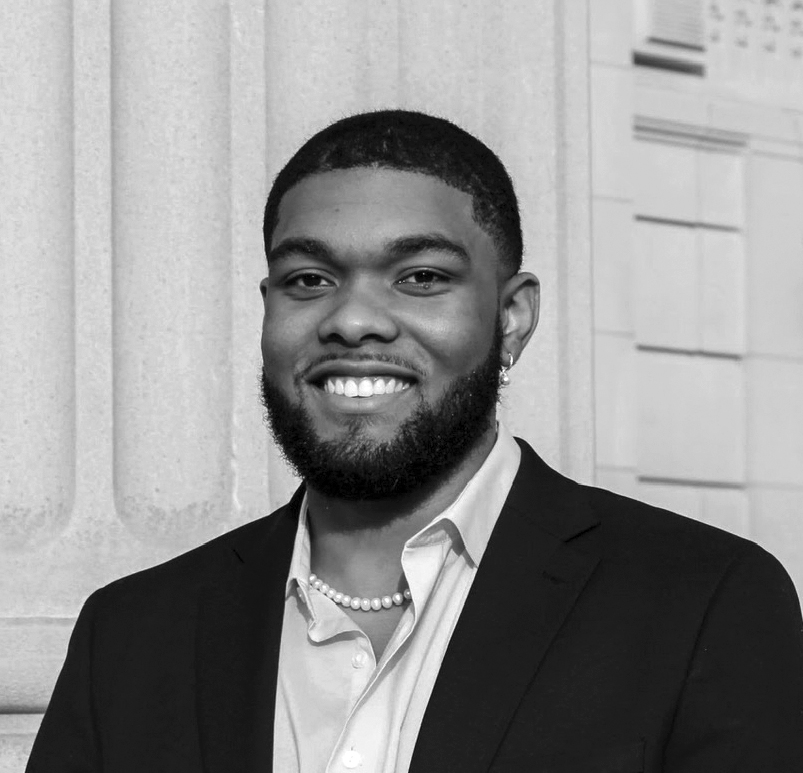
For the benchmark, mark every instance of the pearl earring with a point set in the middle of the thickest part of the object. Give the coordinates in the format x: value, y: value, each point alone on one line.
x: 504, y: 378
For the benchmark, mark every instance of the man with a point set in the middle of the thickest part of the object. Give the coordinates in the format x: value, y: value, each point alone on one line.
x: 434, y: 598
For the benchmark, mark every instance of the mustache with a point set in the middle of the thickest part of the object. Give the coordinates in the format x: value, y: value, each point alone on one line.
x: 383, y: 357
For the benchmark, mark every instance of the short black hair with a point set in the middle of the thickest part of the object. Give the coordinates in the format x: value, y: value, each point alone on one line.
x: 412, y: 142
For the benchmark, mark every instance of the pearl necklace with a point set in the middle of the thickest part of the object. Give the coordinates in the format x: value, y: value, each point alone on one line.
x: 358, y: 602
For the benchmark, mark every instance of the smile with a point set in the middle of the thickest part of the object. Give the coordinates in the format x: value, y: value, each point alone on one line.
x: 366, y: 386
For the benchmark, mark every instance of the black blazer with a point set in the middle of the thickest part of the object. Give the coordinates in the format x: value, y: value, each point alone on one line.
x: 600, y: 634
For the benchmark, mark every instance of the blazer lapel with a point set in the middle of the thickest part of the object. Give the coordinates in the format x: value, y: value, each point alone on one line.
x: 238, y: 639
x: 525, y: 587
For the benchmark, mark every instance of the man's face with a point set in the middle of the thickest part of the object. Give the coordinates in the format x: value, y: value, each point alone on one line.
x: 381, y: 336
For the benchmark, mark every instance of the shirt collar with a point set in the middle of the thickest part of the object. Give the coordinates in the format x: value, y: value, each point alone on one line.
x: 300, y: 563
x: 473, y: 513
x: 477, y: 507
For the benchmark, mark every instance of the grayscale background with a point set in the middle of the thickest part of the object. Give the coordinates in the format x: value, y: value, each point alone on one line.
x: 656, y: 146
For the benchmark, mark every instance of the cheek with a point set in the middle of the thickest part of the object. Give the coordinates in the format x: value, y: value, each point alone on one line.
x: 281, y: 343
x: 460, y: 342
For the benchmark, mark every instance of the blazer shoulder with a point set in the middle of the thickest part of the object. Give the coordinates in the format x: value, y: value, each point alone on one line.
x: 626, y: 512
x: 670, y: 541
x: 186, y: 574
x: 617, y: 525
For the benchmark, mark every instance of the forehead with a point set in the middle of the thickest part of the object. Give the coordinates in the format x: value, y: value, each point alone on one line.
x: 355, y: 207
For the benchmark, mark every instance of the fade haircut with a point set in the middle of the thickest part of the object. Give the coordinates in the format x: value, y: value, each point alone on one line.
x: 412, y: 142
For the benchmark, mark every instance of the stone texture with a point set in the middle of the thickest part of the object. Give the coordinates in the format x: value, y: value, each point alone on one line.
x: 655, y: 97
x: 32, y: 651
x: 666, y: 294
x: 691, y: 419
x: 17, y: 732
x: 37, y: 315
x: 614, y: 260
x: 721, y: 155
x: 775, y: 428
x: 615, y: 396
x: 620, y: 480
x: 611, y: 25
x: 775, y: 263
x: 722, y: 291
x: 728, y: 509
x: 665, y: 181
x: 777, y: 525
x: 689, y: 288
x: 171, y: 270
x: 251, y: 485
x: 612, y: 131
x: 721, y: 184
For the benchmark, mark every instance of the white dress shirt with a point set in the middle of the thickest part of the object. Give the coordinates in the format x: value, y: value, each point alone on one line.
x: 337, y: 709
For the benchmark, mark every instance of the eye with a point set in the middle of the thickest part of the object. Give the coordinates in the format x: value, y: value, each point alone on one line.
x: 423, y: 280
x: 308, y: 281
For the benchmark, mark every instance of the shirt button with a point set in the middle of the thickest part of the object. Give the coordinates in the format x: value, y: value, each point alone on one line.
x: 352, y: 759
x: 359, y: 660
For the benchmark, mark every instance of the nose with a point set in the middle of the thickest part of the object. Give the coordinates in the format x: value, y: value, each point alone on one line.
x: 358, y: 313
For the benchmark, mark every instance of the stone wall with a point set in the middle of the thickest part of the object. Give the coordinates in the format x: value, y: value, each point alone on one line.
x: 697, y: 167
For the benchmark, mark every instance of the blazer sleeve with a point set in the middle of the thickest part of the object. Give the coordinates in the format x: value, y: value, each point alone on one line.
x: 67, y: 739
x: 741, y: 708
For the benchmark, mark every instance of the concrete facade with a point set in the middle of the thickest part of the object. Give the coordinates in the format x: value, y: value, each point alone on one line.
x: 697, y: 170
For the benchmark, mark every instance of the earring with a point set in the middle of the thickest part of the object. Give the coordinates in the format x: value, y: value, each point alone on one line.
x: 504, y: 378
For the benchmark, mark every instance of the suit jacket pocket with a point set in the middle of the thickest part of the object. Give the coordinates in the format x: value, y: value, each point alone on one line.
x: 618, y: 758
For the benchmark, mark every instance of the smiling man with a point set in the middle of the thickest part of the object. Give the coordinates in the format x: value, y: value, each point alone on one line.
x: 434, y: 597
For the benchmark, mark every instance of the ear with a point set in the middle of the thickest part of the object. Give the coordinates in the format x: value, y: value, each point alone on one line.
x: 520, y: 302
x: 263, y: 288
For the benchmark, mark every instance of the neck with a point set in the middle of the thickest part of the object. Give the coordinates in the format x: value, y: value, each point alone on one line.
x: 359, y: 543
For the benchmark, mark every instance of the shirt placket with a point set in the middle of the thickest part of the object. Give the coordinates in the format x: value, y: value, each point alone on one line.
x: 364, y: 737
x: 362, y: 666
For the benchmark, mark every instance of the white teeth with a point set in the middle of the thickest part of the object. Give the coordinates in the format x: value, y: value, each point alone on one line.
x: 364, y: 387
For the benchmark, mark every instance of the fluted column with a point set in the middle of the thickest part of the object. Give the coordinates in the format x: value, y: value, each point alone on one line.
x: 37, y: 330
x: 37, y: 273
x: 171, y: 268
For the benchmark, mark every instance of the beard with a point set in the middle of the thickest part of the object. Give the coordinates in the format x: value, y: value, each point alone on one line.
x: 430, y: 443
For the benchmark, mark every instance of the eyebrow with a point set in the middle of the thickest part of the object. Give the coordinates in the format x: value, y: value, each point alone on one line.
x: 396, y: 249
x: 409, y: 246
x: 313, y: 248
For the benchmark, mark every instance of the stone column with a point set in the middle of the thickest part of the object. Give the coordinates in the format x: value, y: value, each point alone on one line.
x: 37, y: 335
x: 171, y: 268
x: 37, y: 273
